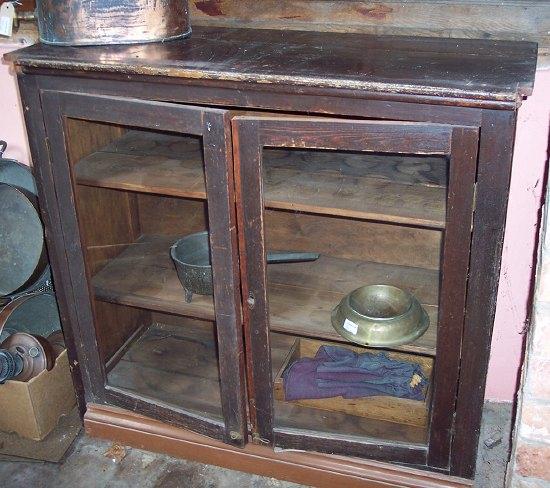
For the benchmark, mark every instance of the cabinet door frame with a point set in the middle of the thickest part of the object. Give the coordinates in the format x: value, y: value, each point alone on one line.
x: 213, y: 125
x: 459, y: 143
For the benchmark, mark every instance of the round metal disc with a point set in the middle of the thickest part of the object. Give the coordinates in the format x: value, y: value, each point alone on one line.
x: 21, y: 240
x: 16, y: 174
x: 34, y: 314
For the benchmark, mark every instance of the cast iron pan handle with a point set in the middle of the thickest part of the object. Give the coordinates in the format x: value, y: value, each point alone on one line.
x: 291, y: 257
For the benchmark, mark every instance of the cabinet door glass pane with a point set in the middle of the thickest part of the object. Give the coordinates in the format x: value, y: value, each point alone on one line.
x: 353, y: 328
x: 138, y: 193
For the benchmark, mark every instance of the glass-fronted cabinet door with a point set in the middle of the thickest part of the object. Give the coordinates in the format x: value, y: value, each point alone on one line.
x: 145, y: 192
x: 354, y: 346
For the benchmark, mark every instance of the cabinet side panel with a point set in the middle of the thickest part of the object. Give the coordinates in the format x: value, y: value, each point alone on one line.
x: 49, y: 210
x: 493, y: 180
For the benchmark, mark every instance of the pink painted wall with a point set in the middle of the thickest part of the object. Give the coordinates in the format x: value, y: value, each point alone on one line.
x: 530, y: 159
x: 524, y: 203
x: 12, y: 126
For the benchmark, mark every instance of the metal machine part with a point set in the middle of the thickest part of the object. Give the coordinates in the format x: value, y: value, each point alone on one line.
x: 82, y: 22
x: 380, y: 316
x: 191, y: 256
x: 11, y: 365
x: 35, y: 352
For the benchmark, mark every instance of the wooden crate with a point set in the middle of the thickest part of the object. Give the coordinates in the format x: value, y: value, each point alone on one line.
x: 391, y: 409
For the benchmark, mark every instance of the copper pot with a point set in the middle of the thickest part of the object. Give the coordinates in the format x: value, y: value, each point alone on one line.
x: 89, y: 22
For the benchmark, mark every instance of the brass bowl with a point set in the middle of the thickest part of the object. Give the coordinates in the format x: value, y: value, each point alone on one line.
x: 380, y: 316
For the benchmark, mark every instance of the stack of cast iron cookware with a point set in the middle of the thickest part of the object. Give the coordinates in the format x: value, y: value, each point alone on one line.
x: 30, y: 328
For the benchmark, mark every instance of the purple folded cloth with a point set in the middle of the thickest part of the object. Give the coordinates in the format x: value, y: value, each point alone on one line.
x: 337, y: 371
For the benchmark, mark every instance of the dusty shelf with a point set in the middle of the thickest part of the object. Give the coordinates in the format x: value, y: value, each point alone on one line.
x: 398, y: 189
x: 300, y: 295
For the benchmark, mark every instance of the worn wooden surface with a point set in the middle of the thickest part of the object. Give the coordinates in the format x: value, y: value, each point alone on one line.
x: 51, y: 218
x: 311, y: 469
x: 454, y: 276
x: 99, y: 228
x: 300, y: 297
x: 250, y: 135
x: 353, y: 239
x: 315, y: 422
x: 335, y: 183
x: 478, y: 19
x: 486, y: 70
x: 320, y: 86
x: 493, y: 180
x: 391, y: 409
x: 173, y: 364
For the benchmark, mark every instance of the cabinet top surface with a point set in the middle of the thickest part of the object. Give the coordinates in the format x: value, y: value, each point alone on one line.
x: 455, y: 68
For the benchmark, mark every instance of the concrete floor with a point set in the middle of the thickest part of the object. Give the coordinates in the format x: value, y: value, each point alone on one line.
x: 87, y: 466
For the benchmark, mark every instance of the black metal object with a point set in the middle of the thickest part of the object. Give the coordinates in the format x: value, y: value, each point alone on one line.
x: 22, y: 249
x: 82, y: 22
x: 20, y: 176
x: 191, y: 256
x: 14, y: 173
x: 11, y: 365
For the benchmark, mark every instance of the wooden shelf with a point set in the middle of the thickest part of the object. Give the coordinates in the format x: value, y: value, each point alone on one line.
x: 176, y: 365
x: 301, y: 295
x: 289, y: 415
x: 399, y: 189
x: 147, y: 162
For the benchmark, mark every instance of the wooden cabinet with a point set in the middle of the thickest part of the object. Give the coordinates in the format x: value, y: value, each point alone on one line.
x: 387, y: 158
x: 136, y: 175
x: 356, y: 191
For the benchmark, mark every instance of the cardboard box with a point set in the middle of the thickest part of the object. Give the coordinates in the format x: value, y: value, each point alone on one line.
x: 32, y: 409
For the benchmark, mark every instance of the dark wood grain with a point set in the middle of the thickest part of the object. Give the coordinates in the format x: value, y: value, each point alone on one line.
x: 454, y: 276
x: 352, y: 135
x: 250, y: 134
x: 349, y: 446
x: 493, y: 179
x: 362, y: 77
x: 457, y: 68
x: 213, y: 127
x: 51, y: 218
x: 335, y: 101
x: 132, y: 113
x: 78, y: 279
x: 218, y: 168
x: 250, y: 215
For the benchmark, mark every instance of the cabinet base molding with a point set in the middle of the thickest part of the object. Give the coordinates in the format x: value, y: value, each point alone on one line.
x: 306, y: 468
